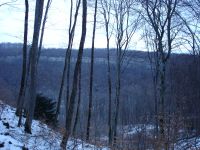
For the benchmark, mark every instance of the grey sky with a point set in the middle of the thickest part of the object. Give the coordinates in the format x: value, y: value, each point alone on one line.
x: 12, y: 24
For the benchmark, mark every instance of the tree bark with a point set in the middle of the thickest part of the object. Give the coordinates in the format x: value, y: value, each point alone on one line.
x: 66, y: 69
x: 43, y: 27
x: 70, y: 110
x: 78, y: 104
x: 118, y: 93
x: 33, y: 65
x: 91, y: 76
x: 109, y: 88
x: 106, y: 14
x: 20, y: 100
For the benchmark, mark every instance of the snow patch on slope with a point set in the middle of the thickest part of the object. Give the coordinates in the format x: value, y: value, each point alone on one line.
x: 188, y: 144
x: 42, y: 137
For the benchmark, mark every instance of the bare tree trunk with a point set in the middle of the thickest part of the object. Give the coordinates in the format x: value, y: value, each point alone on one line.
x: 119, y: 27
x: 78, y: 104
x: 43, y: 27
x: 91, y: 76
x: 109, y: 89
x: 155, y: 70
x: 66, y: 68
x: 162, y: 33
x: 109, y: 97
x: 162, y: 100
x: 20, y: 100
x: 155, y: 82
x: 33, y: 65
x: 118, y: 92
x: 106, y: 14
x: 123, y: 37
x: 70, y: 110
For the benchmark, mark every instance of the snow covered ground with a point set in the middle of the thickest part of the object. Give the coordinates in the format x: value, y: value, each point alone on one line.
x: 42, y: 137
x: 188, y: 144
x: 135, y: 129
x: 183, y: 144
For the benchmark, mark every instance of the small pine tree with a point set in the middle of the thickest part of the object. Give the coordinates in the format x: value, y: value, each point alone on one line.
x: 45, y: 109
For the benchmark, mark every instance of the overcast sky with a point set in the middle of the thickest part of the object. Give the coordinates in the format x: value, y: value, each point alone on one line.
x: 56, y: 32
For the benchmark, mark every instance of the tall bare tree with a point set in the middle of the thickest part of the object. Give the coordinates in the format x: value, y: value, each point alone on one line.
x: 91, y: 75
x: 33, y: 66
x: 124, y: 29
x: 66, y: 69
x: 20, y: 99
x: 70, y: 109
x: 163, y: 28
x: 106, y: 12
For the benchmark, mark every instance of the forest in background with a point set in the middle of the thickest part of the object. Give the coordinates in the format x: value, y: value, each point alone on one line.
x: 137, y: 106
x: 98, y: 95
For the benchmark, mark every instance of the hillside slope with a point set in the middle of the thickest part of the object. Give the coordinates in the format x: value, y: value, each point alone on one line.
x: 42, y: 137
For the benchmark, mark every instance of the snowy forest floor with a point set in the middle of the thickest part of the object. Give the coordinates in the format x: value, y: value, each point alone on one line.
x: 42, y: 137
x: 45, y: 138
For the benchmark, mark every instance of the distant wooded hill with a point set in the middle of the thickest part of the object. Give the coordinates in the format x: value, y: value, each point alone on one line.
x: 137, y: 81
